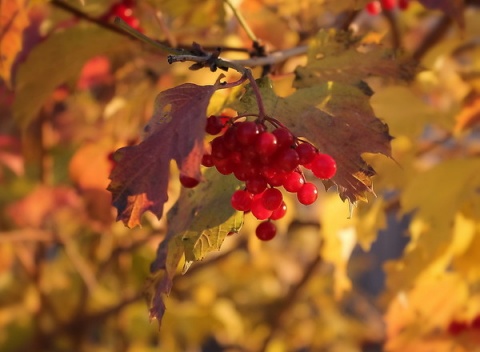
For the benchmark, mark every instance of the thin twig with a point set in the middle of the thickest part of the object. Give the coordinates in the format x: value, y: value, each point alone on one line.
x: 242, y: 21
x: 290, y: 300
x: 435, y: 35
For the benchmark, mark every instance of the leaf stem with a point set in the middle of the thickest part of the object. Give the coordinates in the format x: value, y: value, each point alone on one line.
x: 242, y: 21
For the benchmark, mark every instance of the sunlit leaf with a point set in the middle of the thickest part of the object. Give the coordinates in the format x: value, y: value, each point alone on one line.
x: 175, y: 131
x: 198, y: 224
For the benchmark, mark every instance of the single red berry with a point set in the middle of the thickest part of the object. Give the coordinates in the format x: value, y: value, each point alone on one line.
x: 247, y: 132
x: 266, y: 144
x: 256, y: 184
x: 388, y: 5
x: 374, y: 8
x: 214, y: 125
x: 293, y: 182
x: 266, y: 230
x: 307, y: 194
x: 272, y: 198
x: 279, y: 212
x: 230, y: 138
x: 258, y: 209
x: 224, y: 166
x: 207, y: 160
x: 306, y: 152
x: 286, y: 159
x: 324, y: 166
x: 188, y: 182
x: 284, y: 137
x: 241, y: 200
x: 219, y: 150
x: 277, y: 178
x: 403, y: 4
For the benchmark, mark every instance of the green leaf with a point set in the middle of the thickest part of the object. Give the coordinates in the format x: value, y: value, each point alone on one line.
x: 340, y: 57
x: 198, y: 224
x: 55, y: 61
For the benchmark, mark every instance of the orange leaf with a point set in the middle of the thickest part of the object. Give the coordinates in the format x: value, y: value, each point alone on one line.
x: 13, y: 20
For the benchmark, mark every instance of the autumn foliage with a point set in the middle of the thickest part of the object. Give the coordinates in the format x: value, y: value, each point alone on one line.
x: 253, y: 175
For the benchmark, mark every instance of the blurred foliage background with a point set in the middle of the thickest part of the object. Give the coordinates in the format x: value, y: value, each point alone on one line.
x: 401, y: 274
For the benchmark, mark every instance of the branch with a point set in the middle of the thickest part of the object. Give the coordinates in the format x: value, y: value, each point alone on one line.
x: 437, y: 33
x: 290, y: 300
x: 112, y: 27
x: 242, y: 22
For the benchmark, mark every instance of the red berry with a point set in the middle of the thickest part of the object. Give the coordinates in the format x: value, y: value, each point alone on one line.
x: 224, y: 166
x: 403, y: 4
x: 247, y: 132
x: 388, y: 5
x: 286, y: 159
x: 258, y: 209
x: 214, y: 125
x: 284, y: 137
x: 272, y: 198
x: 266, y: 230
x: 324, y: 166
x: 256, y: 184
x: 374, y: 8
x: 219, y: 150
x: 306, y: 152
x: 266, y: 144
x: 307, y: 194
x: 241, y: 200
x: 207, y: 160
x: 277, y: 178
x: 293, y: 182
x: 279, y: 212
x: 188, y: 182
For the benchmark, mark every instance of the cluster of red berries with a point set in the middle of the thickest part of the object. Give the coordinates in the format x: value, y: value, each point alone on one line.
x: 457, y: 327
x: 124, y: 10
x: 375, y: 7
x: 264, y: 160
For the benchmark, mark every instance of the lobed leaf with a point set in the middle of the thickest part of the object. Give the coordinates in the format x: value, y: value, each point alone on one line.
x: 340, y: 57
x: 197, y: 225
x: 62, y: 56
x: 139, y: 179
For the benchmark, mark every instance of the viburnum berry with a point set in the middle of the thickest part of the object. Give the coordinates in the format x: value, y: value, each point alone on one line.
x: 307, y: 194
x: 247, y: 132
x: 388, y: 5
x: 214, y: 125
x: 266, y: 143
x: 258, y: 209
x: 323, y: 166
x: 293, y: 181
x: 284, y: 137
x: 266, y: 230
x: 374, y: 8
x: 241, y: 200
x: 188, y: 182
x: 272, y: 198
x: 306, y: 152
x: 279, y: 212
